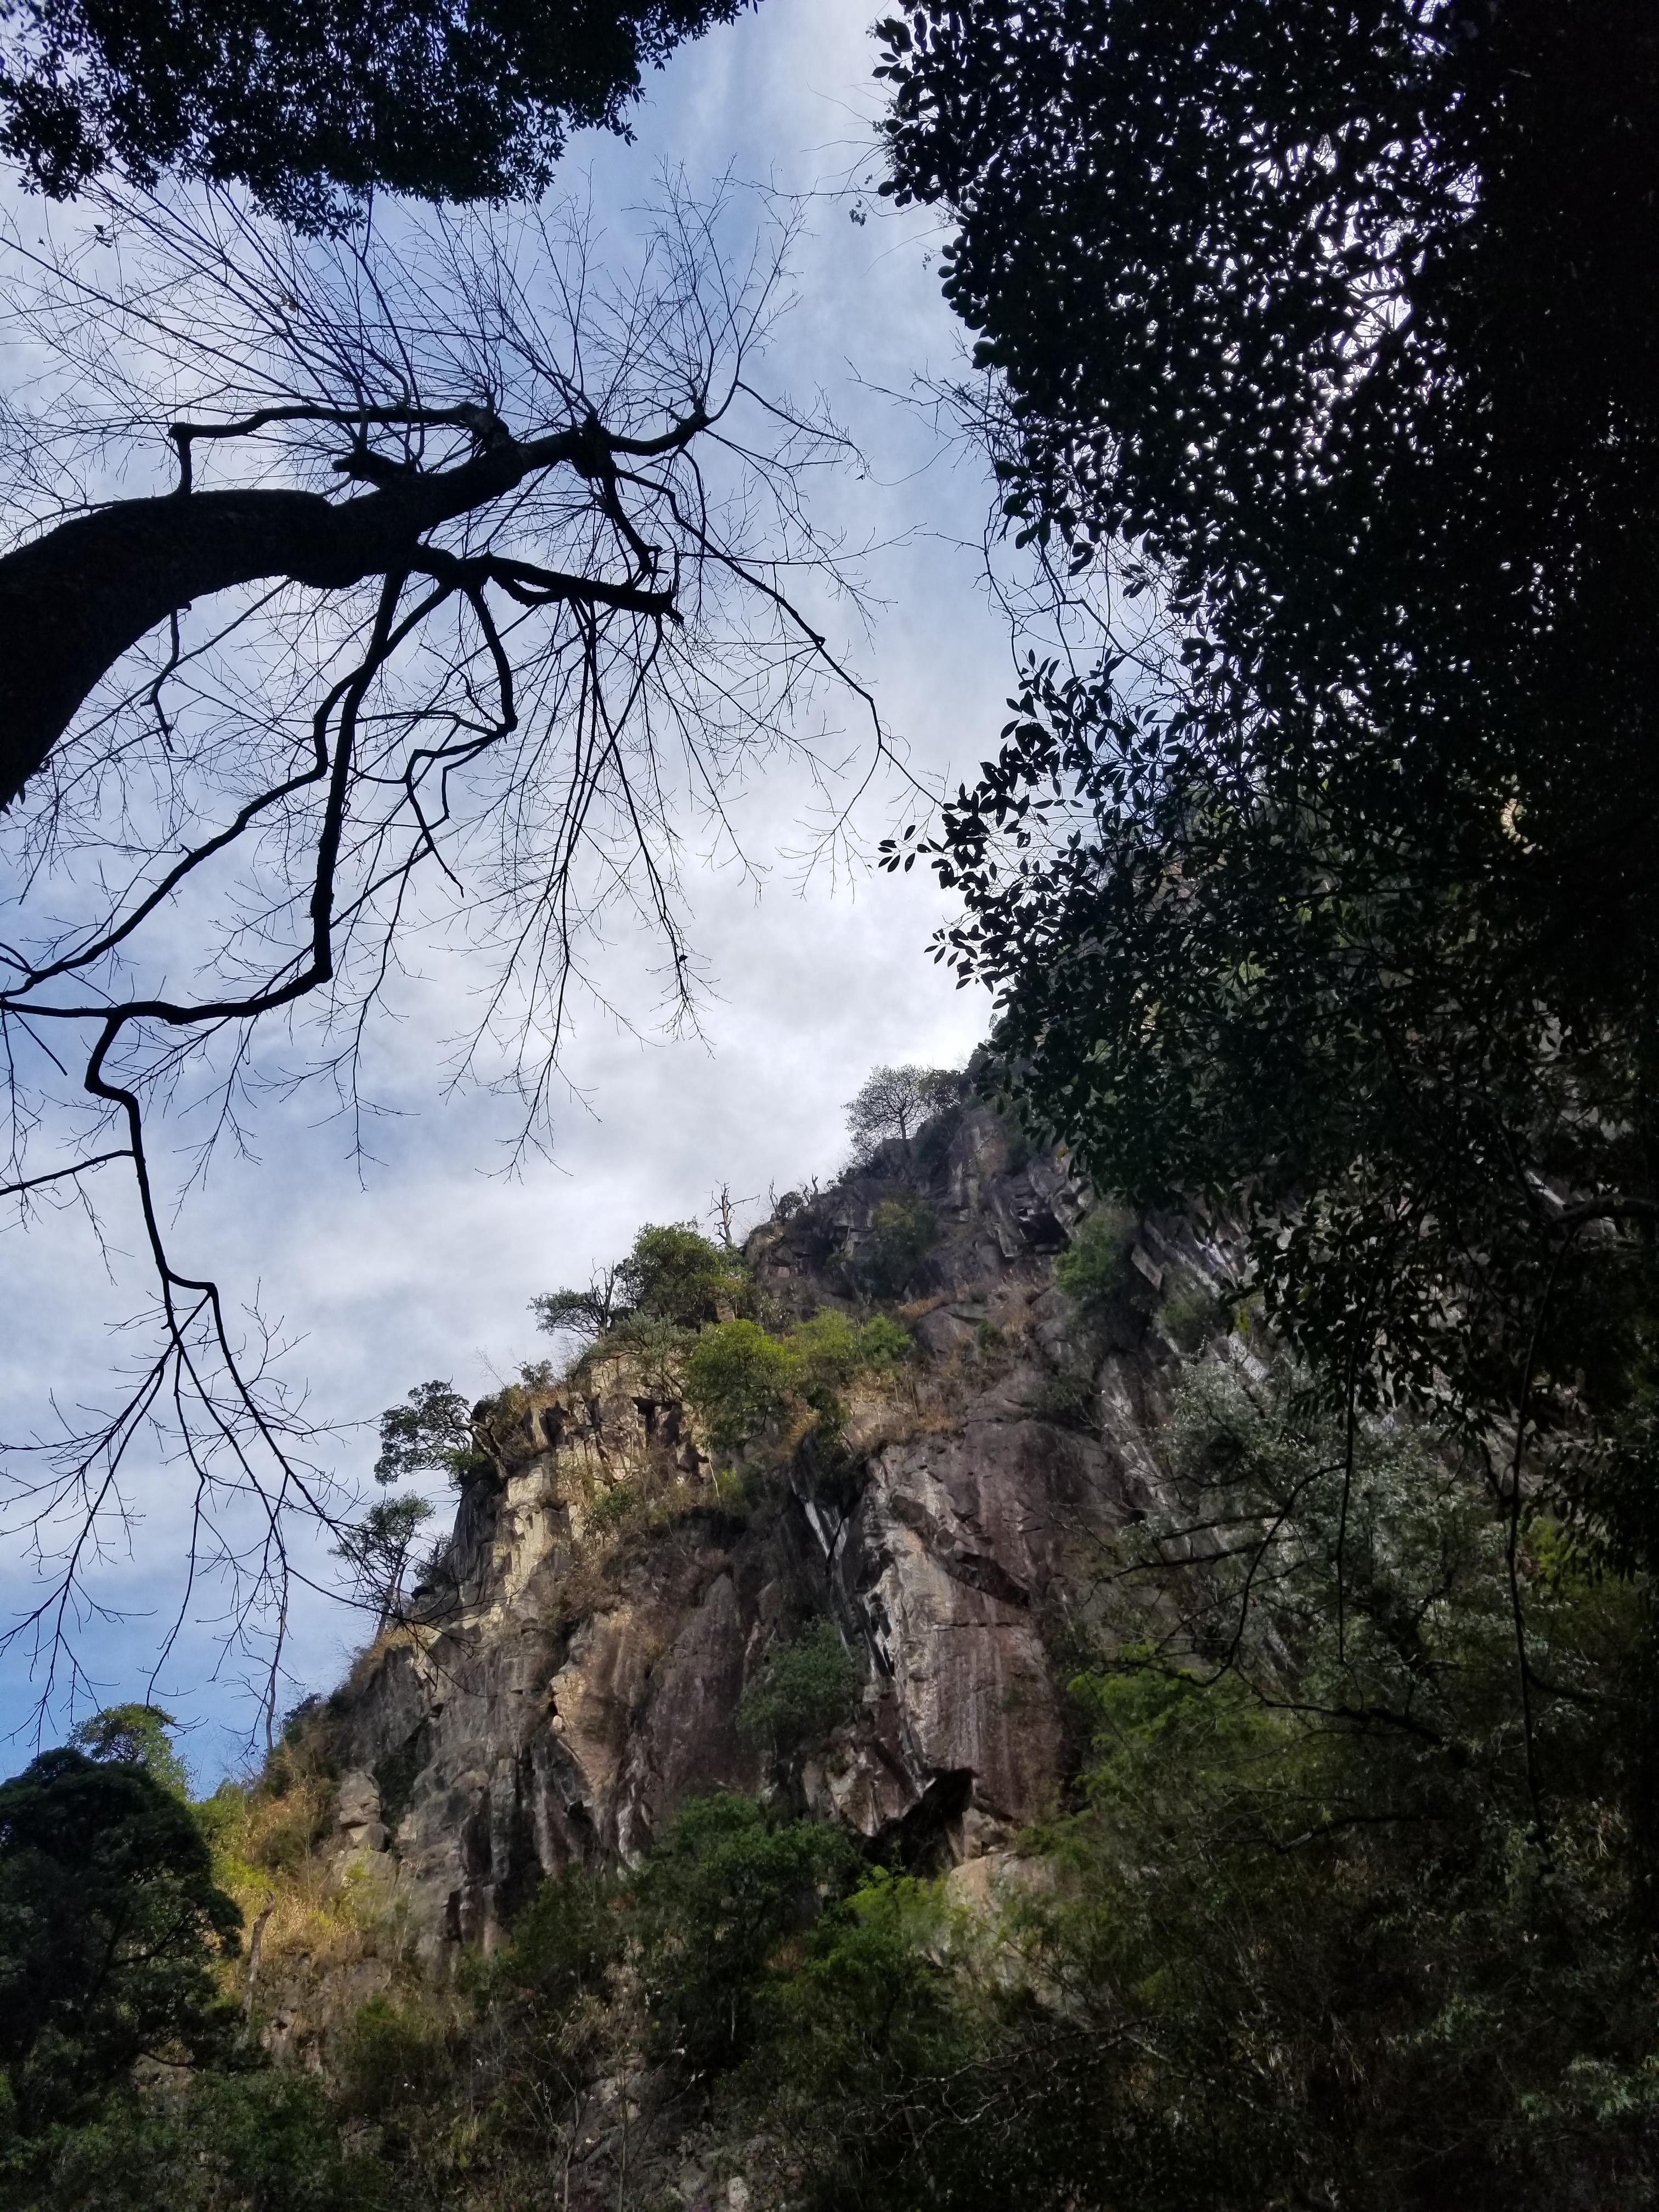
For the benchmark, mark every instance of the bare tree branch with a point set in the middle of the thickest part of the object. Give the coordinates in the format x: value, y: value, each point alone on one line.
x: 284, y: 727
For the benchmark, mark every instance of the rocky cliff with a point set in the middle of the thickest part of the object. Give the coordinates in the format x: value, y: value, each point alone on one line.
x: 576, y: 1661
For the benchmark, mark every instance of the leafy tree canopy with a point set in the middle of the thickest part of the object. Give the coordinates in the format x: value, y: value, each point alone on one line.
x: 806, y: 1689
x: 110, y: 1920
x: 1334, y: 328
x: 136, y: 1735
x: 729, y: 1881
x: 431, y: 1433
x: 740, y: 1379
x: 895, y: 1102
x: 314, y: 104
x: 1346, y: 319
x: 673, y: 1274
x: 676, y: 1273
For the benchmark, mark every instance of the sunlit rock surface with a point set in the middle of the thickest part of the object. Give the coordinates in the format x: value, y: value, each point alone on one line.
x: 576, y: 1667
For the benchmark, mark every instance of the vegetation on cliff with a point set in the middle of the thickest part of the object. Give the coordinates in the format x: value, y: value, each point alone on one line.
x: 1297, y: 1935
x: 1321, y: 909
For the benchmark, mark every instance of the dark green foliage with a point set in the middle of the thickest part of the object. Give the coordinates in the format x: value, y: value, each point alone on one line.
x: 901, y: 1232
x: 432, y: 1432
x: 675, y: 1274
x: 1094, y: 1270
x: 389, y: 2056
x: 109, y: 1922
x: 1311, y: 1941
x: 1189, y: 1318
x: 804, y: 1690
x: 726, y: 1886
x: 1337, y: 328
x: 136, y: 1735
x: 1253, y: 273
x: 1312, y: 1889
x: 395, y: 1776
x: 868, y: 2032
x: 314, y: 106
x: 674, y: 1278
x: 254, y: 2141
x: 1066, y: 1399
x: 565, y: 1942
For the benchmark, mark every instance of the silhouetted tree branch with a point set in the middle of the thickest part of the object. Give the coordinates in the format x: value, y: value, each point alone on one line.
x: 262, y: 728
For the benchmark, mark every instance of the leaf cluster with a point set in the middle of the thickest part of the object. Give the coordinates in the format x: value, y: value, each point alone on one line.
x: 1323, y: 885
x: 110, y: 1923
x: 674, y: 1276
x: 744, y: 1381
x: 314, y: 108
x: 431, y: 1433
x: 804, y: 1690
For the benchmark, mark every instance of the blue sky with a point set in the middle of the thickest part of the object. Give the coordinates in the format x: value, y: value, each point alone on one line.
x: 422, y: 1264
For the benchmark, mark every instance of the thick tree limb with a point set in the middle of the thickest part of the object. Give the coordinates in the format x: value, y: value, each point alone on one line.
x: 72, y: 602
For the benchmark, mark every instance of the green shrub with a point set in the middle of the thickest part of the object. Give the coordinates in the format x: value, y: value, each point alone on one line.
x: 883, y: 1345
x: 740, y: 1379
x: 389, y: 2054
x: 728, y: 1885
x: 859, y: 2044
x: 261, y: 2139
x: 1094, y: 1270
x: 111, y: 1925
x: 613, y: 1507
x: 902, y: 1231
x: 673, y: 1275
x: 828, y: 1349
x: 1066, y: 1400
x: 564, y: 1944
x: 1190, y: 1317
x: 677, y: 1274
x: 804, y: 1690
x: 832, y: 1350
x: 267, y: 2140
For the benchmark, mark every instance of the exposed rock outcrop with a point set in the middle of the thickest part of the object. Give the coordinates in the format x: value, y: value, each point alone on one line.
x: 576, y: 1665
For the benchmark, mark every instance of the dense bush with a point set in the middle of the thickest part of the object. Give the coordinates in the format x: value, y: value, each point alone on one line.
x: 744, y: 1381
x: 901, y: 1232
x: 805, y: 1690
x: 673, y: 1276
x: 739, y: 1380
x: 729, y: 1883
x: 1093, y: 1269
x: 110, y: 1924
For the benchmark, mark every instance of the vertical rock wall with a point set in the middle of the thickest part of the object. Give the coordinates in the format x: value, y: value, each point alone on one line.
x: 575, y: 1671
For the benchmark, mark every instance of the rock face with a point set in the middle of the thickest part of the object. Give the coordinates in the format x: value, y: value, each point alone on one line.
x: 576, y: 1666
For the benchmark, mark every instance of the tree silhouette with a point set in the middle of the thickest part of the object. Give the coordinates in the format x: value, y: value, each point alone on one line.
x: 474, y: 584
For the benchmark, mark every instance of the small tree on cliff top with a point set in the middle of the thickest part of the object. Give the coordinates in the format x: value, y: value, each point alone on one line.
x: 895, y: 1102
